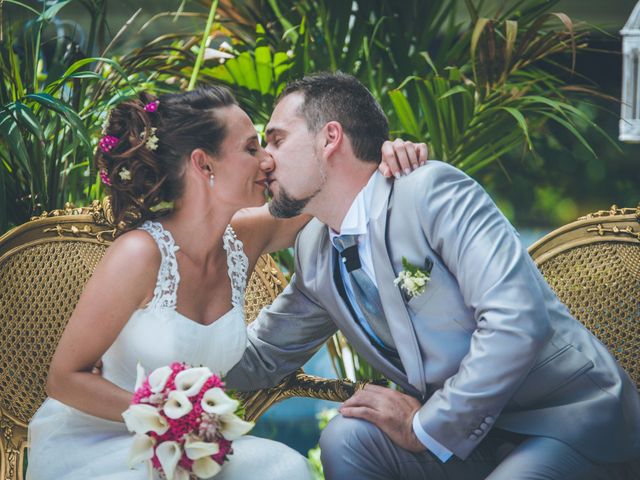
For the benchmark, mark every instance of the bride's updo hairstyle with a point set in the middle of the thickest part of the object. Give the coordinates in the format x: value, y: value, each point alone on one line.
x: 147, y: 142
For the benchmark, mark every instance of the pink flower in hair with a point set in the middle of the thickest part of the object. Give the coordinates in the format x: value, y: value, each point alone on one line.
x: 107, y: 143
x: 104, y: 176
x: 152, y: 107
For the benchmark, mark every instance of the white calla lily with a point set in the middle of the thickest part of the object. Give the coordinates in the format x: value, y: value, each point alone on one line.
x: 191, y: 380
x: 197, y: 449
x: 158, y: 379
x: 216, y: 401
x: 140, y: 376
x: 169, y: 454
x: 233, y: 427
x: 206, y: 467
x: 142, y: 418
x: 177, y: 405
x: 141, y: 449
x: 181, y: 474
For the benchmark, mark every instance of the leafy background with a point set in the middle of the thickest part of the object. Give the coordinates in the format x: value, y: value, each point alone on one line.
x: 55, y: 91
x: 522, y: 97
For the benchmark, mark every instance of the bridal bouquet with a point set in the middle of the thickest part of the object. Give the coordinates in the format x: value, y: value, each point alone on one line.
x: 183, y: 422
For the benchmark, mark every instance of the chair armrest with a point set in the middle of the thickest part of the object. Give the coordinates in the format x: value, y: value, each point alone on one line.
x: 297, y: 384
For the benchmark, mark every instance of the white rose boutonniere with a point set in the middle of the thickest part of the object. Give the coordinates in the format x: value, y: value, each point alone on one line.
x: 412, y: 280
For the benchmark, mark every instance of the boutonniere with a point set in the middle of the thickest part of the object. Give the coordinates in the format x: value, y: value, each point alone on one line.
x: 413, y: 280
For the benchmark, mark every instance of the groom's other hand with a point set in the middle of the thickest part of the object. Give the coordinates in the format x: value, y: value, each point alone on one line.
x: 391, y: 411
x: 400, y: 157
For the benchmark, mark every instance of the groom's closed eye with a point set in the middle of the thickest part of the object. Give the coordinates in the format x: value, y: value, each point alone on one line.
x: 273, y: 136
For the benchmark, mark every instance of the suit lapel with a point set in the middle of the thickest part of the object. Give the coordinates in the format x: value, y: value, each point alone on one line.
x: 343, y: 318
x: 393, y: 304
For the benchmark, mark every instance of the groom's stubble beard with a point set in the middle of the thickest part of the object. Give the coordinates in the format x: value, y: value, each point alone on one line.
x: 285, y: 205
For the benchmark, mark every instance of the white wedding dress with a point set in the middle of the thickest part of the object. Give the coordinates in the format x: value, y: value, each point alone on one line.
x: 67, y: 444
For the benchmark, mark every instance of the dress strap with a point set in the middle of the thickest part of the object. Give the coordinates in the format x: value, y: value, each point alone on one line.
x: 237, y: 265
x: 165, y: 293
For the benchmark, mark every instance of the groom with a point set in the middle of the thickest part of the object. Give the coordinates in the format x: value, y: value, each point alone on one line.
x: 496, y: 375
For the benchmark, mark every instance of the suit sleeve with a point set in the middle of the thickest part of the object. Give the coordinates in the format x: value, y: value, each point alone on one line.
x: 499, y: 283
x: 282, y: 338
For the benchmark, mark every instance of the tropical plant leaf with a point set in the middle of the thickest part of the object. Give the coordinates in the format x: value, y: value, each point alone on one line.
x: 522, y: 123
x: 68, y: 115
x: 10, y: 131
x: 405, y: 113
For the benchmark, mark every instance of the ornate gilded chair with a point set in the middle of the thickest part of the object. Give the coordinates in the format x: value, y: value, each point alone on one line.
x: 593, y: 265
x: 44, y: 265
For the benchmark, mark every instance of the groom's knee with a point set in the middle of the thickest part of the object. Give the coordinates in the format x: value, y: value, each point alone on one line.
x: 354, y: 448
x: 344, y: 434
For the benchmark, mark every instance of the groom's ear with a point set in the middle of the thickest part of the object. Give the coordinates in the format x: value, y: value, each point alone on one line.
x: 332, y: 138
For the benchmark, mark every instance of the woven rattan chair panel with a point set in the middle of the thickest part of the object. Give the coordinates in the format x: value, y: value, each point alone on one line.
x: 600, y: 283
x: 265, y: 284
x: 39, y: 287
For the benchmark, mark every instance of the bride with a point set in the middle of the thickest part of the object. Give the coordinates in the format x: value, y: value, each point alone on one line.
x: 172, y: 287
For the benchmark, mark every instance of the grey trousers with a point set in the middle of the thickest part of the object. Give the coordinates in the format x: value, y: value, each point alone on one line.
x: 354, y: 449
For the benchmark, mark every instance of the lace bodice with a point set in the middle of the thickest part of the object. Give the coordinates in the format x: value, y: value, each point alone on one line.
x: 165, y: 293
x: 158, y: 334
x: 68, y: 444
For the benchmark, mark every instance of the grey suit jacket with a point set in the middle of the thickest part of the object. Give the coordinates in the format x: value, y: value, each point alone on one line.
x: 487, y: 344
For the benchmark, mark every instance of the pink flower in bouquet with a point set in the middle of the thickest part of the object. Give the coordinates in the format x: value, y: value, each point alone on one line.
x: 184, y: 422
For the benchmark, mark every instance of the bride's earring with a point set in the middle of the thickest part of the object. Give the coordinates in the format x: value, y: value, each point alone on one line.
x: 211, y: 180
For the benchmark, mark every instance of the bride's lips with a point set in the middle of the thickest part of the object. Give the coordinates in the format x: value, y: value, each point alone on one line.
x: 264, y: 183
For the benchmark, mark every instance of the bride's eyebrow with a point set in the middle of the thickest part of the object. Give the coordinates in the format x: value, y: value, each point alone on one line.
x: 255, y: 139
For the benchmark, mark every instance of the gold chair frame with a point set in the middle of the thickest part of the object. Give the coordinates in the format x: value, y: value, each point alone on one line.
x: 593, y: 264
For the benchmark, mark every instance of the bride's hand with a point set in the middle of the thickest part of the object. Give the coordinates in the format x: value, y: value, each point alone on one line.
x: 97, y: 368
x: 401, y: 157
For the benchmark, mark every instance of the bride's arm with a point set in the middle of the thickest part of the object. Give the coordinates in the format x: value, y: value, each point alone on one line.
x: 263, y: 233
x: 122, y: 282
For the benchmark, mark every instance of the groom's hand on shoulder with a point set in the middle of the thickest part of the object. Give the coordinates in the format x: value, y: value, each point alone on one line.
x: 391, y: 411
x: 400, y: 157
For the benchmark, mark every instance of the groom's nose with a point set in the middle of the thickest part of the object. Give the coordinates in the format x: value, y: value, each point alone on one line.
x: 267, y: 164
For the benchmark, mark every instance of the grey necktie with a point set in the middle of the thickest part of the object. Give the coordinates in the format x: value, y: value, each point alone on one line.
x: 364, y: 290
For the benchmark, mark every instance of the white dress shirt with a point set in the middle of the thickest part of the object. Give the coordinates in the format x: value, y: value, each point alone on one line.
x: 356, y: 222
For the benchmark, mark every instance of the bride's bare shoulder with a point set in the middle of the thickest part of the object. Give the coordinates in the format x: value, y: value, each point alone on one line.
x: 134, y: 248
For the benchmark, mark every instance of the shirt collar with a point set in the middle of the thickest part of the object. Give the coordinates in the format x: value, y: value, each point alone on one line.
x: 356, y: 220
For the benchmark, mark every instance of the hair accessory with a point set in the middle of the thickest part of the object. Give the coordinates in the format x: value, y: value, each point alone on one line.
x: 125, y: 174
x: 211, y: 180
x: 152, y: 107
x: 152, y: 140
x: 105, y: 177
x: 107, y: 143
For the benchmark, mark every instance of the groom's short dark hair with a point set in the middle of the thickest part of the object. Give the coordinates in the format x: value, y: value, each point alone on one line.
x: 342, y: 98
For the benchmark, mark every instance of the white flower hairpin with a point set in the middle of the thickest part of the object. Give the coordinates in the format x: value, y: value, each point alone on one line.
x: 124, y: 174
x: 152, y: 140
